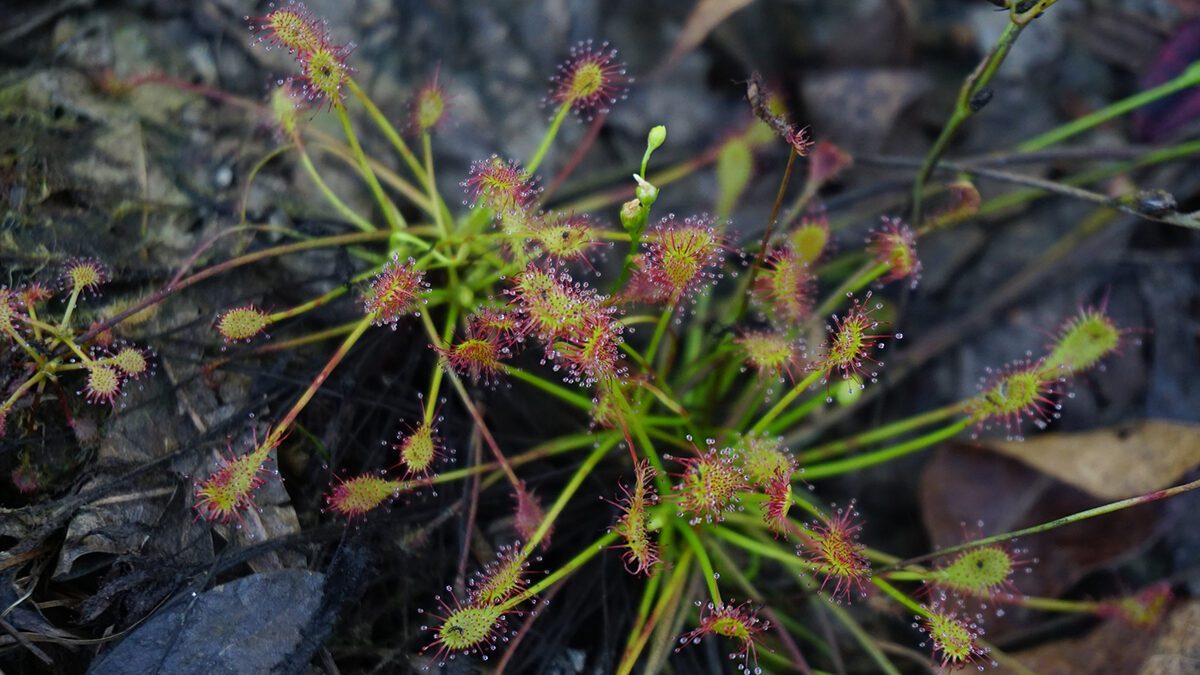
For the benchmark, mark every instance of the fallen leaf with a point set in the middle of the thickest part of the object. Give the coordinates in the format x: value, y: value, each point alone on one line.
x: 1115, y: 463
x: 705, y: 16
x: 1177, y: 649
x: 1114, y: 646
x: 966, y: 484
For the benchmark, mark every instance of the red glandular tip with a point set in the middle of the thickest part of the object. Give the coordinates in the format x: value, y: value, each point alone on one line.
x: 739, y: 623
x: 590, y: 81
x: 832, y: 547
x: 395, y: 292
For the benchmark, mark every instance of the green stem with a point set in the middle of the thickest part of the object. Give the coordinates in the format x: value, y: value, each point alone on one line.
x: 796, y: 414
x: 869, y: 459
x: 390, y: 212
x: 1188, y: 78
x: 573, y: 564
x: 330, y: 196
x: 388, y: 130
x: 1057, y: 605
x: 540, y: 153
x: 431, y: 184
x: 841, y: 446
x: 706, y: 566
x: 671, y: 591
x: 15, y: 336
x: 581, y: 402
x: 964, y: 108
x: 863, y: 639
x: 435, y: 382
x: 900, y: 597
x: 320, y: 300
x: 572, y: 486
x: 784, y: 402
x: 66, y: 317
x: 21, y: 390
x: 280, y: 429
x: 660, y: 329
x: 1059, y: 522
x: 181, y: 283
x: 548, y: 449
x: 853, y: 284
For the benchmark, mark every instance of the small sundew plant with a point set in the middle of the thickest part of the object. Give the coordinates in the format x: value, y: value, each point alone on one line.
x: 502, y: 186
x: 291, y: 26
x: 684, y: 329
x: 419, y: 449
x: 810, y: 238
x: 501, y: 579
x: 785, y: 289
x: 682, y: 255
x: 395, y: 292
x: 468, y: 629
x: 44, y: 354
x: 1083, y: 342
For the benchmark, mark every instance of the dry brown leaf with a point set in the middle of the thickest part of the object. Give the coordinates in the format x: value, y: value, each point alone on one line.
x: 963, y: 483
x: 1112, y: 647
x: 705, y: 16
x: 1177, y: 650
x: 1123, y: 461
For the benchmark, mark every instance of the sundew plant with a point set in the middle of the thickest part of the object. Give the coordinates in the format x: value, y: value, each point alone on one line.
x: 690, y: 354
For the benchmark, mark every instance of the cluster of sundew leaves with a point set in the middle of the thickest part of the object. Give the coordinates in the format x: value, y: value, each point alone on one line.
x: 580, y: 331
x: 769, y: 468
x: 321, y: 62
x: 490, y: 338
x: 396, y: 291
x: 676, y: 261
x: 739, y: 623
x: 478, y: 624
x: 43, y: 347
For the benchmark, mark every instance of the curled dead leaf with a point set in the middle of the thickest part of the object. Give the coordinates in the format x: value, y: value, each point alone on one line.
x: 1115, y: 463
